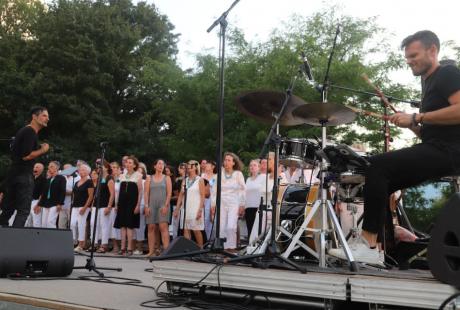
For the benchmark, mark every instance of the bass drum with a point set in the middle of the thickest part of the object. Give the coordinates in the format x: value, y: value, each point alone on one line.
x: 294, y: 204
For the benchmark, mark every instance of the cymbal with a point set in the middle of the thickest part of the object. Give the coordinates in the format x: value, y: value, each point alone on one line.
x: 327, y: 113
x: 262, y: 105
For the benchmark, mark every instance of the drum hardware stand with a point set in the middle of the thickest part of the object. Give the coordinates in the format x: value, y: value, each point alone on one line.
x: 348, y: 195
x: 271, y: 255
x: 323, y: 203
x: 90, y: 263
x: 218, y: 245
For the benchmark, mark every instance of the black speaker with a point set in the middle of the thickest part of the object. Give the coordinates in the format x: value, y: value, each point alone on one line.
x: 36, y: 251
x: 444, y: 247
x: 180, y: 245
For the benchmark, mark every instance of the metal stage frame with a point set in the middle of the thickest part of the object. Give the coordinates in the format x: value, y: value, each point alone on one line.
x: 319, y: 286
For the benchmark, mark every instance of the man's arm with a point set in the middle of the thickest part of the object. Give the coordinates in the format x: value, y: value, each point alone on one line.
x: 446, y: 116
x: 44, y: 147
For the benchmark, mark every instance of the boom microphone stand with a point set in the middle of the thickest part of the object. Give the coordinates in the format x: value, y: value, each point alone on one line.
x: 217, y: 246
x: 90, y: 263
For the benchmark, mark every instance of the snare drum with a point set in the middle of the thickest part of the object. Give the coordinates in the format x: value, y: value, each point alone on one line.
x: 297, y: 151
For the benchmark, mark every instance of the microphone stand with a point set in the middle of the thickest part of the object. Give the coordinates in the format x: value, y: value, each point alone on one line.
x: 90, y: 263
x: 218, y: 245
x: 185, y: 203
x: 272, y: 257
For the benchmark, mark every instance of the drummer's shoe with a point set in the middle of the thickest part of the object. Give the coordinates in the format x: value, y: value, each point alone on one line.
x: 361, y: 252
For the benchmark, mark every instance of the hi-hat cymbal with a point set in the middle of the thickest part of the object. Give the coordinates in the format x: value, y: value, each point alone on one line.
x: 262, y: 105
x: 324, y: 113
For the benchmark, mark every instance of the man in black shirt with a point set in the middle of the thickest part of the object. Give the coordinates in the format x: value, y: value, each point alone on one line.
x: 20, y: 183
x: 438, y: 155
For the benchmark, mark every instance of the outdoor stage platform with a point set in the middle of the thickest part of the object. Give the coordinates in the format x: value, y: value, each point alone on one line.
x: 286, y: 288
x: 321, y: 287
x: 70, y: 293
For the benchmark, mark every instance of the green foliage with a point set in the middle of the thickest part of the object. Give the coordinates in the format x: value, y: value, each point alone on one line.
x: 106, y: 70
x: 424, y: 202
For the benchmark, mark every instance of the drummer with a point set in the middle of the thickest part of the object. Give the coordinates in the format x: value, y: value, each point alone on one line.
x: 438, y: 126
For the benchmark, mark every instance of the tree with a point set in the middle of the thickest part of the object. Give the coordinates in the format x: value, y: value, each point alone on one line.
x: 87, y: 58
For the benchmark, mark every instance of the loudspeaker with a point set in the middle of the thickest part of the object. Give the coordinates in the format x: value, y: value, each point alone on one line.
x: 36, y: 251
x: 180, y: 245
x: 444, y: 246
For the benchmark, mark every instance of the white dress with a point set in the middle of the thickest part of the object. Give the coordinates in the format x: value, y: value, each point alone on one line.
x: 266, y: 191
x: 193, y: 205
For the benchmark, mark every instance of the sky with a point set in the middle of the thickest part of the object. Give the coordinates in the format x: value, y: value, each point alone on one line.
x: 257, y: 18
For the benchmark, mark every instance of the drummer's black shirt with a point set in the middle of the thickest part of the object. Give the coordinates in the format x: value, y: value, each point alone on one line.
x: 438, y: 87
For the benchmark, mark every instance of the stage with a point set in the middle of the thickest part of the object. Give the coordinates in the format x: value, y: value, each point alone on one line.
x: 73, y: 294
x: 319, y: 287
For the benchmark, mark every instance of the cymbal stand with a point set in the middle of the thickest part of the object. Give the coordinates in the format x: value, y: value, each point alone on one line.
x: 271, y: 255
x: 323, y: 203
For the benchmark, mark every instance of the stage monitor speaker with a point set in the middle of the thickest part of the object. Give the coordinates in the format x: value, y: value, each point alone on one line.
x: 180, y: 245
x: 444, y: 247
x: 36, y: 251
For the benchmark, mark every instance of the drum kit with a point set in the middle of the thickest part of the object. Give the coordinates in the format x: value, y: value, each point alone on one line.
x: 299, y: 224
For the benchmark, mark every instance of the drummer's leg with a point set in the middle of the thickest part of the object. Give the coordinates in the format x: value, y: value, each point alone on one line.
x: 395, y: 170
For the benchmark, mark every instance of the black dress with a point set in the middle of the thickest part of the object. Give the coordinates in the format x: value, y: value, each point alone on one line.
x: 127, y: 202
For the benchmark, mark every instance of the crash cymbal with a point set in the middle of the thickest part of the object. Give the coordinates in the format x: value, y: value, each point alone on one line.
x: 329, y: 114
x: 261, y: 105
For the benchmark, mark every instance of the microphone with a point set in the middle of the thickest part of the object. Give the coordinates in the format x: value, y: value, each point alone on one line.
x: 103, y: 143
x: 306, y: 66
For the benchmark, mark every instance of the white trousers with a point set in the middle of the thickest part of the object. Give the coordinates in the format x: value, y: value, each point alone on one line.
x: 266, y: 223
x: 114, y: 232
x: 11, y: 220
x: 78, y: 224
x: 49, y: 217
x: 64, y: 216
x: 33, y: 220
x: 103, y: 228
x: 228, y: 225
x: 140, y: 232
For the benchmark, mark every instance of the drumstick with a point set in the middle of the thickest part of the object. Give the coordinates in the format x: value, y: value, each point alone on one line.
x: 370, y: 113
x: 379, y: 92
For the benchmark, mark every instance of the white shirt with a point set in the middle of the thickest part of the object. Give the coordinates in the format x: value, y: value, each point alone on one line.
x: 253, y: 191
x: 70, y: 182
x: 287, y: 177
x: 233, y: 190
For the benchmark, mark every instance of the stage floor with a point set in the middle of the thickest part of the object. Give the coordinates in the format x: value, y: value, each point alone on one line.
x: 80, y: 294
x: 412, y: 288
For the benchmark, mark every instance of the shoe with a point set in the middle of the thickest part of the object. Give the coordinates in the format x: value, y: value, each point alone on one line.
x: 129, y: 253
x: 138, y: 252
x: 361, y: 252
x: 78, y: 249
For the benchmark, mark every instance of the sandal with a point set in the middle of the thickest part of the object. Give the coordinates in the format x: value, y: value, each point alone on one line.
x: 121, y: 252
x: 101, y: 250
x: 129, y: 252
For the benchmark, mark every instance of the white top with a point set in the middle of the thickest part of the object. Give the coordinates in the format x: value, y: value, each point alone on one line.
x: 287, y: 178
x: 291, y: 178
x: 266, y: 189
x: 193, y: 203
x: 70, y: 182
x: 134, y: 177
x: 233, y: 190
x: 253, y: 191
